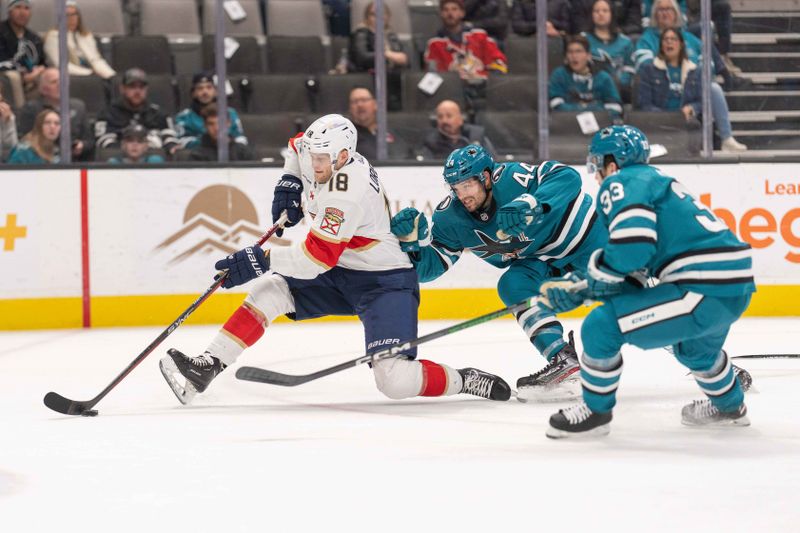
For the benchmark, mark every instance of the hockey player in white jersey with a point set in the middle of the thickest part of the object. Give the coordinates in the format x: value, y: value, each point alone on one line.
x: 349, y: 264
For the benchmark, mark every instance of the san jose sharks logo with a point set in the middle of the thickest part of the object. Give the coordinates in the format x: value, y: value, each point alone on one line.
x: 507, y: 250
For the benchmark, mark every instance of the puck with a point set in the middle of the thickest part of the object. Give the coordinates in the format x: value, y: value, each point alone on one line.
x: 89, y: 412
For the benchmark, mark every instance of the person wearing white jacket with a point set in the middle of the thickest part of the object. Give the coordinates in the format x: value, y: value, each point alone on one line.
x: 84, y: 57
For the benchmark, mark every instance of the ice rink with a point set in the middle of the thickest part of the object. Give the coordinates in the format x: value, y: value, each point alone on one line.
x: 335, y: 455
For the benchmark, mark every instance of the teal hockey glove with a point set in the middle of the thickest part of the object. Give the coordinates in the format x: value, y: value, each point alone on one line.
x: 516, y: 215
x: 411, y: 228
x: 564, y: 294
x: 603, y: 280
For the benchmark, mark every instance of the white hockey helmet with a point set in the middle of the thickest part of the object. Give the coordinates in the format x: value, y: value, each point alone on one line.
x: 330, y: 135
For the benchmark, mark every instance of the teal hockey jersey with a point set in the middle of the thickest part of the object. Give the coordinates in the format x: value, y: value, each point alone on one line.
x: 656, y: 224
x: 559, y: 232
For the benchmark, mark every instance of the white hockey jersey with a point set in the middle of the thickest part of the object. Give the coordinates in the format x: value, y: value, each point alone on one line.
x: 350, y: 221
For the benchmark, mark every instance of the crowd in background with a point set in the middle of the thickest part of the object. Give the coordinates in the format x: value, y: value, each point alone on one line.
x: 639, y: 53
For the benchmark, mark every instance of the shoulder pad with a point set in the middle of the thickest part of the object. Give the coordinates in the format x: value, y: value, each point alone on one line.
x: 293, y: 142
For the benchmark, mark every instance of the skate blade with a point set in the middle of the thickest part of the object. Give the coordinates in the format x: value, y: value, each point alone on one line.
x: 599, y: 431
x: 184, y: 392
x: 727, y: 423
x: 560, y: 392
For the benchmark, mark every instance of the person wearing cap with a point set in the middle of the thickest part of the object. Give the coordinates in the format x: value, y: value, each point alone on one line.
x: 206, y: 149
x: 48, y: 96
x: 83, y: 55
x: 134, y: 148
x: 189, y: 123
x: 21, y: 50
x: 460, y: 47
x: 133, y: 107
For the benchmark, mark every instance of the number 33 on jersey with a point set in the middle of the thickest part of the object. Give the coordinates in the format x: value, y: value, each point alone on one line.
x: 655, y: 223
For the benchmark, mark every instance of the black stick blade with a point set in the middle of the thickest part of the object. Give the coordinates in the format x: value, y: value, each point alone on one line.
x: 260, y: 375
x: 65, y: 406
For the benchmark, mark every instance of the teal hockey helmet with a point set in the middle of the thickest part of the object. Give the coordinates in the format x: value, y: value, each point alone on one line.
x: 465, y: 163
x: 627, y: 144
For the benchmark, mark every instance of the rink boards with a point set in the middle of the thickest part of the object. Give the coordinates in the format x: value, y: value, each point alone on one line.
x: 114, y: 247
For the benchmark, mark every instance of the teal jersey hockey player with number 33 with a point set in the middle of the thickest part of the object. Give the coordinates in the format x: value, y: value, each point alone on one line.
x: 533, y: 220
x: 705, y: 280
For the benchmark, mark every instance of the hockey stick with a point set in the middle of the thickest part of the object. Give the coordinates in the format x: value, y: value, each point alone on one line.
x: 768, y: 356
x: 260, y: 375
x: 63, y: 405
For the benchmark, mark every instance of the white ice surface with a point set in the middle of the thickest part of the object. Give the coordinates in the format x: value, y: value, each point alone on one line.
x: 334, y: 455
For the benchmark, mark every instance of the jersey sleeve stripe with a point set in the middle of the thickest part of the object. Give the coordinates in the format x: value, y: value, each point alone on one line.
x: 626, y: 214
x: 624, y: 233
x: 562, y: 231
x: 704, y: 256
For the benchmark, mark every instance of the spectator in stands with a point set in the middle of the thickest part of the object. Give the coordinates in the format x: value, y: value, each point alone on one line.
x: 362, y: 53
x: 489, y: 15
x: 189, y: 123
x: 627, y: 16
x: 40, y: 145
x: 362, y: 43
x: 21, y: 51
x: 134, y: 148
x: 574, y: 87
x: 8, y: 129
x: 452, y: 133
x: 666, y: 14
x: 84, y: 58
x: 611, y: 50
x: 133, y: 107
x: 364, y: 114
x: 722, y: 17
x: 523, y: 17
x: 671, y: 82
x: 461, y: 48
x: 48, y: 96
x: 207, y: 149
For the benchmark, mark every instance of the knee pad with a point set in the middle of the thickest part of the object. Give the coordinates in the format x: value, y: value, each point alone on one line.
x: 600, y: 333
x: 271, y: 297
x: 512, y: 287
x: 398, y: 378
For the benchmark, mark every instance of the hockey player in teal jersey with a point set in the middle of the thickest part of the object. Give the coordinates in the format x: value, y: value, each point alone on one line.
x: 705, y: 280
x: 535, y: 221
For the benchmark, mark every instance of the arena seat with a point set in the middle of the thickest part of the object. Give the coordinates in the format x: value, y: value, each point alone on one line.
x: 172, y: 18
x: 296, y: 55
x: 511, y: 92
x: 333, y: 91
x: 299, y: 18
x: 276, y: 93
x: 416, y: 100
x: 246, y: 60
x: 147, y: 52
x: 250, y: 25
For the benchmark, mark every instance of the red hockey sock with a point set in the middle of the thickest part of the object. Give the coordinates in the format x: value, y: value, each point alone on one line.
x: 245, y: 326
x: 434, y: 379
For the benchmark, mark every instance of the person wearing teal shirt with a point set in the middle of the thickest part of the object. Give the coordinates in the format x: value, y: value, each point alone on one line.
x: 40, y: 145
x: 611, y: 50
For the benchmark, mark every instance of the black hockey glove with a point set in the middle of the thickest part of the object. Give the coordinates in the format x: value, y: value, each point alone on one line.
x: 287, y: 197
x: 243, y: 266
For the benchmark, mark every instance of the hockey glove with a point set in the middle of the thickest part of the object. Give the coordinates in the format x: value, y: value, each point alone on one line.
x: 564, y: 294
x: 516, y: 215
x: 603, y: 280
x: 243, y: 266
x: 287, y: 197
x: 411, y: 228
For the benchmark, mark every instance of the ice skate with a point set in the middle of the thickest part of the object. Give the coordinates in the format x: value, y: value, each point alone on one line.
x: 578, y: 421
x: 558, y: 381
x: 703, y: 413
x: 197, y: 373
x: 484, y: 384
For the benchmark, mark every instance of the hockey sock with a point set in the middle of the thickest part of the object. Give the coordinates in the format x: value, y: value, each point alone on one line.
x: 241, y: 330
x: 439, y: 380
x: 543, y: 329
x: 720, y: 385
x: 599, y: 381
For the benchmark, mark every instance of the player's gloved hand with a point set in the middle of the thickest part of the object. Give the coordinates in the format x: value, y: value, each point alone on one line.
x: 411, y: 228
x: 244, y: 265
x: 287, y: 197
x: 563, y: 294
x: 603, y: 280
x: 516, y: 215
